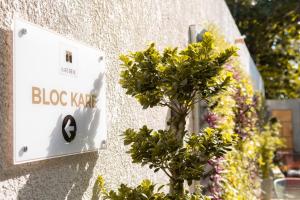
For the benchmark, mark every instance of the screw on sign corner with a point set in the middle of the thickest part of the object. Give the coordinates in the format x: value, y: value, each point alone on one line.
x: 25, y: 149
x: 22, y: 32
x: 100, y: 58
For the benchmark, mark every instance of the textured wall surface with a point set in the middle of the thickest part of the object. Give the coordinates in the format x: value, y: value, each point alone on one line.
x: 114, y: 26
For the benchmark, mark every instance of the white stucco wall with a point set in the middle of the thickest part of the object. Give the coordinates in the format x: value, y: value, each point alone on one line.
x: 114, y: 26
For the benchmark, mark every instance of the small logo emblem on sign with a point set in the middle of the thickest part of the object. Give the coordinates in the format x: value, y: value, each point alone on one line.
x: 69, y: 57
x: 68, y: 61
x: 69, y: 128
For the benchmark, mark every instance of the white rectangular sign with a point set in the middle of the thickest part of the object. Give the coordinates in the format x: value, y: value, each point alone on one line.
x: 59, y: 95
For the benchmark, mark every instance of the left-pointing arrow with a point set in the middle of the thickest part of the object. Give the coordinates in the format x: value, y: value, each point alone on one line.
x: 69, y: 128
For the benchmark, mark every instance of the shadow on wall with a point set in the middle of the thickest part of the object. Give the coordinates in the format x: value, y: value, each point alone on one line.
x: 67, y: 181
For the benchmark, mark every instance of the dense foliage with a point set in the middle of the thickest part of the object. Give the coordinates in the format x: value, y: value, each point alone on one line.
x: 272, y: 30
x: 238, y: 174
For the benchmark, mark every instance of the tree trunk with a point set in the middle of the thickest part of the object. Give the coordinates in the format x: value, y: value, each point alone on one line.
x: 176, y: 188
x: 177, y: 127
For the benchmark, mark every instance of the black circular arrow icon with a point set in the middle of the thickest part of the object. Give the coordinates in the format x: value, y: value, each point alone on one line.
x: 69, y: 128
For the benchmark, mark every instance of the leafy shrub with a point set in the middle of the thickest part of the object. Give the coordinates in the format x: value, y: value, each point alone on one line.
x: 235, y: 149
x: 176, y: 79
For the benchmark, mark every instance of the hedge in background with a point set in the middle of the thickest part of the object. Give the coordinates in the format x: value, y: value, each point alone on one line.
x: 239, y: 173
